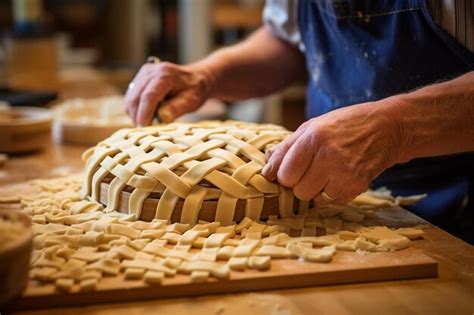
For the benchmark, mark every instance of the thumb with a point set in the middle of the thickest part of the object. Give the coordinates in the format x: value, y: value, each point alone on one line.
x: 178, y: 105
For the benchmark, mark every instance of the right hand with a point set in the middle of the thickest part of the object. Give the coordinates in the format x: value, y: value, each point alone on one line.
x: 182, y: 89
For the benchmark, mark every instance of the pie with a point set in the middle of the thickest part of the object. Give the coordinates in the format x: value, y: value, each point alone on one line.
x: 185, y: 165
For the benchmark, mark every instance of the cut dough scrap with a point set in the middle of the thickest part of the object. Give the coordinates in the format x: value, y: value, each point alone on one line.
x: 238, y: 263
x: 189, y: 237
x: 254, y: 235
x: 96, y: 274
x: 148, y: 265
x: 216, y: 270
x: 178, y: 228
x: 347, y: 235
x: 259, y: 262
x: 144, y: 256
x: 245, y: 248
x: 154, y: 277
x: 124, y: 252
x: 99, y: 225
x: 88, y: 255
x: 393, y: 244
x: 107, y: 266
x: 369, y: 200
x: 232, y: 242
x: 119, y: 229
x: 142, y: 225
x: 171, y: 238
x: 386, y: 238
x: 65, y: 252
x: 245, y: 223
x: 324, y: 254
x: 155, y: 247
x: 199, y: 276
x: 360, y: 243
x: 274, y: 251
x: 409, y: 200
x: 44, y: 274
x: 73, y: 268
x: 207, y: 254
x: 172, y: 263
x: 216, y: 240
x: 88, y: 284
x: 411, y: 233
x: 225, y: 253
x: 137, y: 244
x: 64, y: 284
x: 294, y: 223
x: 152, y: 234
x: 85, y: 206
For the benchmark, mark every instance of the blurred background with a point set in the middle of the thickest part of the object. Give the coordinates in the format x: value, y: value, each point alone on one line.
x: 56, y: 50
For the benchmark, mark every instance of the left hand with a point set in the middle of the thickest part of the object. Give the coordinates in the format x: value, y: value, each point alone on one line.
x: 338, y: 153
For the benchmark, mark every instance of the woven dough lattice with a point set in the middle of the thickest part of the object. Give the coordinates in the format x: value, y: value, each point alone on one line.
x: 189, y: 163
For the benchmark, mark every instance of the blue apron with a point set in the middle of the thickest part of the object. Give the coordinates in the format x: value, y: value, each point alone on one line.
x: 360, y: 51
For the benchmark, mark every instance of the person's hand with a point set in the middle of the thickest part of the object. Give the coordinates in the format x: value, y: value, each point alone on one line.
x: 182, y: 89
x: 334, y: 157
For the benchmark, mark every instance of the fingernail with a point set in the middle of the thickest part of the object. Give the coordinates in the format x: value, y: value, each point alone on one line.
x: 268, y: 154
x: 166, y: 115
x: 267, y: 169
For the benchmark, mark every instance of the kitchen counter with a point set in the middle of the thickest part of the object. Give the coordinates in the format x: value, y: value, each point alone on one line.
x: 451, y: 293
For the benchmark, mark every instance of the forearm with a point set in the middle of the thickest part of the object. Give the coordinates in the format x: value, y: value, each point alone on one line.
x: 258, y: 66
x: 435, y: 120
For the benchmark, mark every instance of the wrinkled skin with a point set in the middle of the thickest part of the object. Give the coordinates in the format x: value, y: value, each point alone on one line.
x: 181, y: 89
x: 339, y: 153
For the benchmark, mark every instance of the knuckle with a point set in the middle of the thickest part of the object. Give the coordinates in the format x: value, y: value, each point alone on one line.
x: 166, y: 67
x: 305, y: 125
x: 147, y: 97
x: 347, y: 195
x: 146, y: 69
x: 302, y: 193
x: 173, y: 108
x: 279, y: 149
x: 321, y: 134
x: 131, y: 101
x: 285, y: 179
x: 193, y: 100
x: 277, y: 153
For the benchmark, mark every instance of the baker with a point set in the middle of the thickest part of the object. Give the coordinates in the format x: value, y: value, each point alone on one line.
x: 390, y: 98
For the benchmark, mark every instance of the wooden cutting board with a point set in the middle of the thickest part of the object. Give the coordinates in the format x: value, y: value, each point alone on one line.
x: 346, y: 267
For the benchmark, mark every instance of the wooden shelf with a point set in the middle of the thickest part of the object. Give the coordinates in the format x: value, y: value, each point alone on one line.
x: 233, y: 16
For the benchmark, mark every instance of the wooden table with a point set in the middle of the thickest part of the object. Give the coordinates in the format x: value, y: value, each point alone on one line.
x: 451, y: 293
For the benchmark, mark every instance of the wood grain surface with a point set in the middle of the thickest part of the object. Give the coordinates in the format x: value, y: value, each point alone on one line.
x: 346, y: 267
x: 451, y: 293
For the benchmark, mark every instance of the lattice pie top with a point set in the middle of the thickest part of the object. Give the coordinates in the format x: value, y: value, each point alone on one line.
x: 191, y: 162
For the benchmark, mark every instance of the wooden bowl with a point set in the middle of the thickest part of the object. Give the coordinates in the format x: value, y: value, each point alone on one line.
x: 88, y: 121
x: 15, y: 259
x: 24, y: 129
